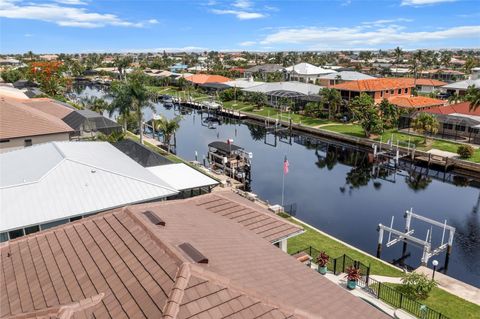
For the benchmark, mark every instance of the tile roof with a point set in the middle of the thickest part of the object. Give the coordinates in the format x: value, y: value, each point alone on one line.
x: 372, y: 85
x: 49, y: 106
x: 206, y: 78
x: 460, y: 108
x: 415, y: 101
x: 18, y: 119
x: 428, y: 82
x: 120, y: 265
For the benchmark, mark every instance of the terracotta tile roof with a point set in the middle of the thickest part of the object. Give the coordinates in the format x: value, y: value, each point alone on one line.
x: 415, y: 101
x: 18, y: 119
x: 120, y: 265
x: 49, y: 106
x: 428, y: 82
x: 372, y: 85
x: 461, y: 108
x: 207, y: 78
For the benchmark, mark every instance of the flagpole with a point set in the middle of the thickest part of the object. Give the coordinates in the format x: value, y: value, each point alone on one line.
x: 283, y: 187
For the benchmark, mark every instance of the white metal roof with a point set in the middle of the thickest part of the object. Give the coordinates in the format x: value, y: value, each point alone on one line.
x: 462, y: 85
x: 243, y: 83
x: 181, y: 176
x: 346, y: 76
x: 10, y: 91
x: 58, y: 180
x: 300, y: 87
x: 308, y: 69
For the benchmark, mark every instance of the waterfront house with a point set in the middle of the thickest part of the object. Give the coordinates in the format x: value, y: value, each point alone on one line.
x: 445, y: 75
x: 378, y: 89
x: 416, y: 102
x: 427, y: 85
x: 53, y: 183
x: 306, y: 72
x: 206, y: 257
x: 262, y: 71
x: 206, y: 78
x: 22, y: 125
x: 332, y: 79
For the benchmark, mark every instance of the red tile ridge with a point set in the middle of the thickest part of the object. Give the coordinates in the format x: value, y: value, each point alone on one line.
x: 172, y: 306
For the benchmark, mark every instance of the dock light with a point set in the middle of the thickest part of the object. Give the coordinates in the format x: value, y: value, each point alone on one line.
x: 435, y: 264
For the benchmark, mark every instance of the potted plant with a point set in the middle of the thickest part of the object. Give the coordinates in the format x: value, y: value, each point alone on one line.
x: 353, y: 275
x: 322, y: 261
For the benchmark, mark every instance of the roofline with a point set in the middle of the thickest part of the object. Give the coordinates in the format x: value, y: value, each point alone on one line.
x: 299, y: 232
x: 41, y: 134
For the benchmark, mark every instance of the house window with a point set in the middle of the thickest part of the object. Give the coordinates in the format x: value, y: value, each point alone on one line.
x: 460, y: 128
x: 399, y: 91
x: 28, y: 142
x: 53, y: 224
x: 3, y: 237
x: 473, y: 130
x: 447, y: 126
x: 15, y: 233
x: 381, y: 93
x: 406, y: 91
x: 32, y: 229
x: 392, y: 92
x: 4, y: 141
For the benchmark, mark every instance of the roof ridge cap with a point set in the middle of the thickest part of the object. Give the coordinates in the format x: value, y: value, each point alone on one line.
x: 182, y: 278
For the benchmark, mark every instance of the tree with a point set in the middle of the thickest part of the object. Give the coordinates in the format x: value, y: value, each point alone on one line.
x: 332, y: 99
x: 131, y: 96
x: 416, y: 65
x: 95, y: 104
x: 390, y: 113
x: 364, y: 111
x: 259, y: 99
x: 49, y: 75
x: 398, y: 53
x: 425, y: 124
x: 416, y: 286
x: 122, y: 63
x: 11, y: 76
x: 167, y: 128
x: 473, y: 96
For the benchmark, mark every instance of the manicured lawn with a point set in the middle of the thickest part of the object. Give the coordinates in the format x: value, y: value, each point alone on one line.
x: 347, y: 129
x: 335, y: 248
x: 449, y: 305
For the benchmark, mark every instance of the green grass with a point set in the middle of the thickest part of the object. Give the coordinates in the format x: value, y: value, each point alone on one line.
x: 334, y: 248
x: 347, y: 129
x: 448, y: 304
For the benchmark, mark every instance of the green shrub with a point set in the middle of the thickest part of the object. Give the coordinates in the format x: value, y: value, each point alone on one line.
x: 416, y: 286
x: 465, y: 151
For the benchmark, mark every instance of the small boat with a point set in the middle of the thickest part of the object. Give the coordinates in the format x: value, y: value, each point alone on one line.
x: 210, y: 105
x: 231, y: 159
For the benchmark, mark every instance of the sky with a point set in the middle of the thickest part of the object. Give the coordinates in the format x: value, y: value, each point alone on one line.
x: 80, y: 26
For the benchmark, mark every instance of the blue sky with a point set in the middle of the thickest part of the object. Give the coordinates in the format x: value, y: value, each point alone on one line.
x: 128, y: 25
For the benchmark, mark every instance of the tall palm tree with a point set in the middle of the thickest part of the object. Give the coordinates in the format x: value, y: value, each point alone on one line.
x: 416, y: 65
x: 473, y: 96
x: 398, y: 53
x: 332, y: 99
x: 131, y: 96
x: 167, y: 128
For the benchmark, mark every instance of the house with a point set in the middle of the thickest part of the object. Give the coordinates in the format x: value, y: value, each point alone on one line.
x: 427, y: 85
x: 378, y: 89
x: 415, y: 102
x: 445, y: 75
x: 263, y: 70
x: 206, y: 78
x: 179, y: 67
x: 332, y: 79
x: 53, y: 183
x: 460, y: 87
x: 306, y: 72
x: 206, y: 257
x: 22, y: 125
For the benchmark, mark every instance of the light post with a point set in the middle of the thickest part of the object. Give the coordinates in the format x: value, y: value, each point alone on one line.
x: 435, y: 264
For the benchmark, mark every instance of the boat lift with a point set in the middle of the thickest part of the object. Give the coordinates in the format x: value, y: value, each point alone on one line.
x: 407, y: 236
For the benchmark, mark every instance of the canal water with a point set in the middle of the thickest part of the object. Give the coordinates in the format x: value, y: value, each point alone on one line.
x: 337, y: 189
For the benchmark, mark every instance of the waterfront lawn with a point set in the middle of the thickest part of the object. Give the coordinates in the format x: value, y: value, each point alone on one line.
x: 296, y: 118
x: 449, y: 305
x: 335, y: 249
x: 347, y: 129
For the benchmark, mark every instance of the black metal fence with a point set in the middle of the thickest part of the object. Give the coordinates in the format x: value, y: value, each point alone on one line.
x: 380, y: 290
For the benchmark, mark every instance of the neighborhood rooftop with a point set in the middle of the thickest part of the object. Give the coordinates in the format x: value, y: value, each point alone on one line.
x: 209, y: 258
x: 372, y: 85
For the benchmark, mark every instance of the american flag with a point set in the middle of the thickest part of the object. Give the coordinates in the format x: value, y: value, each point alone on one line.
x: 285, y: 166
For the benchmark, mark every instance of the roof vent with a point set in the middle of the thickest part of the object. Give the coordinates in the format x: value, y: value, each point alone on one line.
x: 153, y: 218
x: 193, y: 253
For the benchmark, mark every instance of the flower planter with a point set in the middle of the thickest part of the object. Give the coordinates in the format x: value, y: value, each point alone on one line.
x: 322, y: 270
x: 351, y: 284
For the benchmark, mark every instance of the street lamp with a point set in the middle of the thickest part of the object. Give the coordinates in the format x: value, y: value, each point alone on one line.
x: 435, y: 264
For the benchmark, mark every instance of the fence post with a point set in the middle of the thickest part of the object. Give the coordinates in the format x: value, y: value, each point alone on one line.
x: 378, y: 290
x: 335, y: 266
x: 310, y: 251
x: 401, y: 299
x: 368, y: 275
x: 343, y: 266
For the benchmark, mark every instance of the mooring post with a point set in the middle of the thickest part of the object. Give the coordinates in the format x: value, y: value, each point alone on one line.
x: 380, y: 240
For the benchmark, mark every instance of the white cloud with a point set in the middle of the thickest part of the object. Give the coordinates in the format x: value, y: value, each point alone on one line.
x: 153, y: 21
x: 365, y: 36
x: 28, y: 35
x: 247, y: 43
x: 72, y: 2
x: 386, y: 21
x: 417, y: 3
x: 242, y: 4
x: 61, y: 15
x: 241, y: 15
x: 346, y: 3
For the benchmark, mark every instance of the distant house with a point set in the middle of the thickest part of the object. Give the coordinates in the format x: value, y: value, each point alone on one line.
x: 378, y: 89
x: 54, y: 183
x: 22, y: 125
x: 332, y: 79
x: 460, y: 87
x: 445, y: 75
x: 415, y: 102
x: 306, y: 72
x: 206, y: 78
x: 263, y: 70
x: 178, y: 67
x: 428, y: 85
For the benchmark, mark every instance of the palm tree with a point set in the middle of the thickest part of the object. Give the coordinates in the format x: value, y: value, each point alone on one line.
x: 473, y: 96
x: 122, y: 63
x: 331, y: 98
x: 167, y: 128
x: 131, y: 96
x: 416, y: 65
x: 398, y: 53
x: 426, y: 124
x: 95, y: 104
